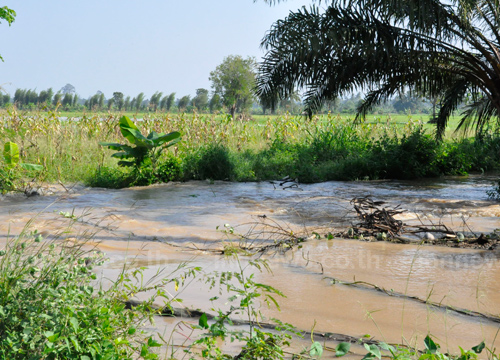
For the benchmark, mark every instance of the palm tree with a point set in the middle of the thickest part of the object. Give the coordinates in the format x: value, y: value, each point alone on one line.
x: 434, y: 48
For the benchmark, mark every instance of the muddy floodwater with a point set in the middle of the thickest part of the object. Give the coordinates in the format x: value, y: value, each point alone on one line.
x: 159, y: 227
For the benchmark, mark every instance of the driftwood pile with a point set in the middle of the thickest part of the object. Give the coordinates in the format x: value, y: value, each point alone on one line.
x: 376, y: 219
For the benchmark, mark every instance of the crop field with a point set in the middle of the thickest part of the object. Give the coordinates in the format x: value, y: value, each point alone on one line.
x: 327, y: 147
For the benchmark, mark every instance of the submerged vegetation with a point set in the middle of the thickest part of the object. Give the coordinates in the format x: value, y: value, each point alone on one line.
x: 216, y: 147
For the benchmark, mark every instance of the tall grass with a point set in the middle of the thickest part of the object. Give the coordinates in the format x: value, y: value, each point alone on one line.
x: 216, y: 147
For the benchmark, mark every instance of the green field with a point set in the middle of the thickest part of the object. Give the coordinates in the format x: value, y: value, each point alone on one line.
x: 327, y: 147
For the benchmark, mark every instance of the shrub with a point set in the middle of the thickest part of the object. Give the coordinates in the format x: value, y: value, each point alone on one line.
x: 108, y: 177
x: 212, y: 162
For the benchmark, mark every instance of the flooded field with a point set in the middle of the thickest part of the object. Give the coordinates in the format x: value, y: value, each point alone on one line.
x: 161, y: 226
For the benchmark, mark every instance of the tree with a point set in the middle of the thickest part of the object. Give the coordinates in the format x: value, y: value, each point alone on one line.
x: 19, y: 96
x: 67, y: 100
x: 101, y: 100
x: 200, y: 101
x: 183, y: 102
x: 127, y: 104
x: 163, y: 102
x: 8, y: 15
x: 388, y: 47
x: 57, y: 99
x: 233, y: 80
x: 75, y: 100
x: 138, y: 101
x: 118, y: 99
x: 155, y: 100
x: 170, y: 101
x: 50, y: 95
x: 215, y: 103
x: 68, y: 89
x: 111, y: 102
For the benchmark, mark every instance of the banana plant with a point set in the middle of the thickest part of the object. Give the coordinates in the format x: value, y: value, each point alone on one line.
x: 142, y: 150
x: 9, y: 177
x: 11, y: 158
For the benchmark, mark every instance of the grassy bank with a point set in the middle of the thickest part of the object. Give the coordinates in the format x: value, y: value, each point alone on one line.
x: 218, y: 148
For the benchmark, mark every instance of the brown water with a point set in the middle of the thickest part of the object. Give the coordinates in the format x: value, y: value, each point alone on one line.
x: 135, y: 225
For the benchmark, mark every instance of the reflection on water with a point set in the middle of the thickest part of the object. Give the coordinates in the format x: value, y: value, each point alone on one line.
x: 133, y: 226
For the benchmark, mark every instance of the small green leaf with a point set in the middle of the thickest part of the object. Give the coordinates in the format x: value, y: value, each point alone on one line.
x: 153, y: 343
x: 316, y: 349
x: 51, y: 337
x: 125, y: 125
x: 342, y: 349
x: 32, y: 167
x: 387, y: 347
x: 203, y: 322
x: 373, y: 350
x: 74, y: 324
x: 478, y: 348
x: 11, y: 154
x: 430, y: 345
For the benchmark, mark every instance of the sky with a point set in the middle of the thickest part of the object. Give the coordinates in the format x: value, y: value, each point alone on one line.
x: 129, y: 46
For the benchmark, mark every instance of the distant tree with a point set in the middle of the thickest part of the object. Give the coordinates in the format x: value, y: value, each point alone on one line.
x: 132, y: 103
x: 138, y: 101
x: 68, y: 89
x: 200, y: 101
x: 163, y: 103
x: 101, y: 100
x: 19, y: 97
x: 110, y: 104
x: 93, y: 102
x: 42, y: 97
x: 118, y: 100
x: 126, y: 105
x: 57, y: 99
x: 8, y: 15
x: 155, y: 100
x: 183, y: 102
x: 75, y: 101
x: 234, y: 81
x: 6, y: 99
x: 405, y: 103
x: 288, y: 104
x: 170, y: 101
x: 50, y: 95
x: 31, y: 97
x: 215, y: 103
x: 67, y: 100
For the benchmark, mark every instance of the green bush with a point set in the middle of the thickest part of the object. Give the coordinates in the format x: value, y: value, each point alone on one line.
x: 50, y: 308
x: 212, y: 162
x: 111, y: 178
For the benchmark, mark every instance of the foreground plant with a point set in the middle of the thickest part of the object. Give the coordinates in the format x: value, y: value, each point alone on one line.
x: 52, y: 307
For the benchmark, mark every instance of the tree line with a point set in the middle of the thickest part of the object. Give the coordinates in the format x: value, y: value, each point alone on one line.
x: 203, y: 101
x: 233, y: 91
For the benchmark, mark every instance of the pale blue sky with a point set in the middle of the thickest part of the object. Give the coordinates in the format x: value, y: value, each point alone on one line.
x: 129, y: 45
